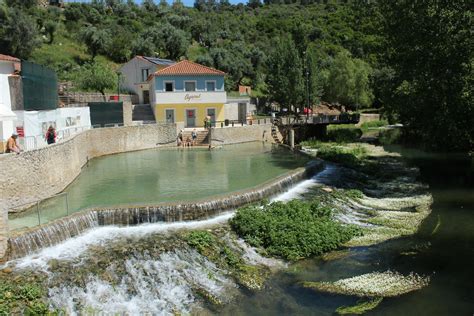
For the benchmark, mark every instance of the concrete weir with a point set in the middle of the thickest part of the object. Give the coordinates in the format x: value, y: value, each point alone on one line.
x: 27, y: 242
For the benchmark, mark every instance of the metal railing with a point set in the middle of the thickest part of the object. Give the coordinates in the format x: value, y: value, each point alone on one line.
x: 32, y: 214
x: 39, y: 141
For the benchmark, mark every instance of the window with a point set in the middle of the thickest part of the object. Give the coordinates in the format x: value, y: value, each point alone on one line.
x: 169, y: 86
x: 210, y: 86
x: 145, y: 74
x: 190, y: 86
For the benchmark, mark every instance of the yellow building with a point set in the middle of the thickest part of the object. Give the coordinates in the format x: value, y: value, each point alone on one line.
x: 188, y: 92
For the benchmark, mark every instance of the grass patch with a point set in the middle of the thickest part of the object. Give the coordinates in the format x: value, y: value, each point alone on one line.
x: 292, y: 230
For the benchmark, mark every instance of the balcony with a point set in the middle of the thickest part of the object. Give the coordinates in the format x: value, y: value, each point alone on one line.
x: 191, y: 97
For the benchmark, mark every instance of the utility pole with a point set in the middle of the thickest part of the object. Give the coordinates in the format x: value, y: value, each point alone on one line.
x: 118, y: 85
x: 306, y: 73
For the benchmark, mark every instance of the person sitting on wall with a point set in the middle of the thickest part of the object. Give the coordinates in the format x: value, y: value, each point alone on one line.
x: 51, y: 135
x: 12, y: 145
x: 188, y: 141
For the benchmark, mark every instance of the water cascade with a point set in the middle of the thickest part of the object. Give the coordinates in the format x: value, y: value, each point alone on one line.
x: 161, y: 285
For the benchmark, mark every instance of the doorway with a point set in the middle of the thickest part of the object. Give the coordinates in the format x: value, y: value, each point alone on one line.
x: 242, y: 112
x: 146, y: 96
x: 169, y: 114
x: 190, y: 118
x: 212, y: 114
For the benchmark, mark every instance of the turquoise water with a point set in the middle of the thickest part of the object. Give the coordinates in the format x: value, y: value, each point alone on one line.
x: 170, y: 175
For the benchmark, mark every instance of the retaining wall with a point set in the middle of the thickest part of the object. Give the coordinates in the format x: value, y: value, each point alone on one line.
x: 242, y: 134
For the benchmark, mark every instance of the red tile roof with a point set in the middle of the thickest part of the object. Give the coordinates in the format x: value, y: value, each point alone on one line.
x: 8, y: 58
x: 187, y: 67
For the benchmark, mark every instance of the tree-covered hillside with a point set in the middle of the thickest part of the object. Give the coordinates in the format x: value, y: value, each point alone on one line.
x: 411, y: 58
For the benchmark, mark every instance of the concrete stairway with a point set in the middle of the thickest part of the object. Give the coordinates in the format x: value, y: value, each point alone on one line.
x: 202, y: 136
x: 276, y: 139
x: 143, y: 112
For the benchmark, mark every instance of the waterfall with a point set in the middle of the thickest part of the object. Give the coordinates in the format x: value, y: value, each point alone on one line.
x: 51, y: 234
x: 322, y: 178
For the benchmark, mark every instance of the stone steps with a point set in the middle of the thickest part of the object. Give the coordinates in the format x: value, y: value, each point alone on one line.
x: 202, y: 137
x: 142, y: 112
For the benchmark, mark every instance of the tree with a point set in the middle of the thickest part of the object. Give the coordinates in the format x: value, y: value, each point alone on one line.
x: 428, y: 47
x: 96, y: 40
x: 97, y: 76
x: 22, y: 3
x: 254, y: 4
x: 18, y: 33
x: 171, y: 40
x: 348, y: 81
x: 284, y: 79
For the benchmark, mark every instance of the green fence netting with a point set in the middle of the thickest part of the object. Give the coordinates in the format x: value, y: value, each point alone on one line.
x: 103, y: 113
x: 40, y: 87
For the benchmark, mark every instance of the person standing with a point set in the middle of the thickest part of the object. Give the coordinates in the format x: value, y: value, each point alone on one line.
x: 51, y: 135
x: 194, y: 136
x: 180, y: 138
x: 12, y: 145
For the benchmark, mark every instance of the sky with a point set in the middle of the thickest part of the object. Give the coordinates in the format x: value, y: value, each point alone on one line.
x: 186, y: 2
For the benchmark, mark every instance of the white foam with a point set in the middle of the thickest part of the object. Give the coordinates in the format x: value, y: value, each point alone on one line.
x: 162, y: 285
x: 295, y: 192
x: 75, y: 247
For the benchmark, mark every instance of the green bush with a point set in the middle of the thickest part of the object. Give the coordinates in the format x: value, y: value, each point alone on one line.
x: 294, y: 230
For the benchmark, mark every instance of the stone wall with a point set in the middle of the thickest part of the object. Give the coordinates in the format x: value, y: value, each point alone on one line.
x: 242, y: 134
x: 40, y: 173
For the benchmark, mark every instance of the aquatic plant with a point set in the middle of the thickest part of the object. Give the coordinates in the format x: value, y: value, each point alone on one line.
x: 22, y: 297
x: 375, y: 284
x: 294, y: 230
x: 200, y: 240
x: 360, y: 308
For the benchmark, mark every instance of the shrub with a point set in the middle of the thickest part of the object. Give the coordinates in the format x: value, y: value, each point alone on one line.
x: 294, y: 230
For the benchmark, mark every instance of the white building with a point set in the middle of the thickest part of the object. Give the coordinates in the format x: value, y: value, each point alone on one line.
x: 135, y: 75
x: 30, y: 121
x: 8, y: 66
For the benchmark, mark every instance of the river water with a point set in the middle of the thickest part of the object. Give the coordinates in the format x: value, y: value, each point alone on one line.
x: 442, y: 249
